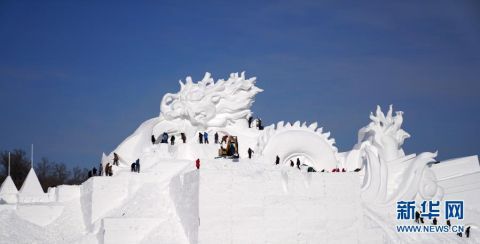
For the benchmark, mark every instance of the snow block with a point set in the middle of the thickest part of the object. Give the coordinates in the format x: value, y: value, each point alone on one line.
x: 127, y: 230
x: 456, y: 167
x: 40, y: 215
x: 102, y: 194
x: 7, y: 207
x: 66, y: 193
x: 184, y: 193
x: 277, y: 206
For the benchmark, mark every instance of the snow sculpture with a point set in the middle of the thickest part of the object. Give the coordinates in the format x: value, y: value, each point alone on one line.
x: 289, y: 142
x: 8, y: 191
x: 209, y: 103
x: 385, y: 134
x: 391, y: 176
x: 31, y: 190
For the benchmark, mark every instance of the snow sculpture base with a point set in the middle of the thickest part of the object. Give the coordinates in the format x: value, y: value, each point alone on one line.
x: 255, y: 206
x: 102, y: 194
x: 40, y: 215
x: 127, y: 230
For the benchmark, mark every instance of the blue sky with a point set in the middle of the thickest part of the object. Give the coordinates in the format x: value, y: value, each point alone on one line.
x: 77, y: 77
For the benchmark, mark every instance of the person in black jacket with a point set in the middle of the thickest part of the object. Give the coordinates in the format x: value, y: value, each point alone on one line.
x: 172, y: 140
x: 216, y: 138
x: 277, y: 160
x: 115, y: 159
x: 200, y: 137
x: 132, y: 167
x: 298, y: 163
x: 250, y: 151
x: 153, y: 139
x: 184, y: 138
x: 292, y: 164
x: 137, y: 165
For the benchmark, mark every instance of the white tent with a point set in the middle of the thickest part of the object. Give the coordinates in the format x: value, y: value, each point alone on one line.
x: 31, y: 190
x: 8, y: 191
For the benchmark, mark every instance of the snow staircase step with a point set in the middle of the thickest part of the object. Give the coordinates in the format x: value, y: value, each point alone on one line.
x: 127, y: 230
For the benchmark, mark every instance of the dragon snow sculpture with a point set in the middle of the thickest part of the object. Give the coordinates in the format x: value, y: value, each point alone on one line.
x: 209, y: 103
x: 389, y: 175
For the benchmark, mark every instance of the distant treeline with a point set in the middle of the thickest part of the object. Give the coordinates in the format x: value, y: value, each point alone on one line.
x: 49, y: 173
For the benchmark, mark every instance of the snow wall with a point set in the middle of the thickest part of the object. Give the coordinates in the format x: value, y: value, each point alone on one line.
x: 278, y: 206
x: 184, y: 193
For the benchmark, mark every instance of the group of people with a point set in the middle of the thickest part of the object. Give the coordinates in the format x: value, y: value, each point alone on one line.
x: 309, y: 169
x: 135, y: 166
x: 203, y: 137
x: 419, y: 220
x: 165, y: 138
x: 258, y: 123
x: 108, y: 170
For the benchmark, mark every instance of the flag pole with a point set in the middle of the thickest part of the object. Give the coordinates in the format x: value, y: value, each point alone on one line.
x: 32, y: 156
x: 8, y: 163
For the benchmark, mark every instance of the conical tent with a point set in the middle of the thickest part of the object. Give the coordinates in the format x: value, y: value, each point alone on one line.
x: 31, y: 186
x: 8, y: 187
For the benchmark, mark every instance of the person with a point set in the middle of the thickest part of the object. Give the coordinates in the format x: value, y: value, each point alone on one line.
x: 224, y: 139
x: 434, y: 221
x: 197, y: 163
x: 184, y: 138
x: 311, y: 169
x: 277, y: 160
x: 250, y: 151
x: 250, y: 120
x: 153, y: 139
x: 94, y: 170
x: 417, y: 217
x: 344, y: 170
x: 107, y: 169
x: 137, y: 165
x: 216, y: 138
x: 200, y: 137
x: 292, y: 163
x: 89, y: 173
x: 467, y: 232
x: 164, y: 137
x: 448, y: 222
x: 232, y: 149
x: 205, y: 137
x: 172, y: 140
x: 100, y: 169
x: 115, y: 159
x: 298, y: 163
x: 132, y: 167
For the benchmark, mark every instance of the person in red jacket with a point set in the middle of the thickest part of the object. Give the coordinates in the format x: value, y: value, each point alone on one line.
x: 197, y: 163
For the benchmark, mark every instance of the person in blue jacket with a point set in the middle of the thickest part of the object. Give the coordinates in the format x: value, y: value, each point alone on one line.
x: 205, y: 137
